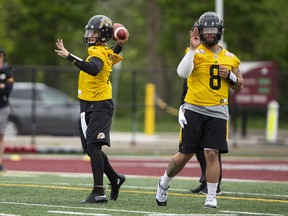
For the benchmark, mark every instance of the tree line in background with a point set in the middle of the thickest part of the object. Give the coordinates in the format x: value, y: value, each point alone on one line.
x: 159, y: 32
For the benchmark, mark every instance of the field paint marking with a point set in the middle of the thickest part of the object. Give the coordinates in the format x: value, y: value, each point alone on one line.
x: 223, y: 192
x: 234, y: 213
x: 3, y: 214
x: 128, y: 211
x: 35, y: 173
x: 190, y: 214
x: 85, y: 208
x: 225, y: 166
x: 146, y: 188
x: 89, y: 175
x: 44, y: 186
x: 77, y: 213
x: 144, y: 192
x: 85, y: 175
x: 255, y: 194
x: 77, y: 175
x: 253, y: 213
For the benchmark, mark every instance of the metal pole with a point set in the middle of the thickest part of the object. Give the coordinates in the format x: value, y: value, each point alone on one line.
x: 115, y: 83
x: 33, y: 109
x: 219, y: 9
x: 134, y: 107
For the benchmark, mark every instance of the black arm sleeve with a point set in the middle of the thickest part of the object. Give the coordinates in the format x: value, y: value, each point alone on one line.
x: 185, y: 88
x: 93, y: 67
x: 117, y: 49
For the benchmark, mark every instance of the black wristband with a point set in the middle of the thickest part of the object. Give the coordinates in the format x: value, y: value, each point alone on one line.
x: 70, y: 58
x: 117, y: 49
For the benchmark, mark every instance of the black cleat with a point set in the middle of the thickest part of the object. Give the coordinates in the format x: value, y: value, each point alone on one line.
x: 96, y: 197
x: 161, y: 203
x: 116, y: 187
x: 201, y: 187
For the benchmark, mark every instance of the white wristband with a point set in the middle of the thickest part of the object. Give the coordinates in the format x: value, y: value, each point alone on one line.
x: 232, y: 78
x: 76, y: 57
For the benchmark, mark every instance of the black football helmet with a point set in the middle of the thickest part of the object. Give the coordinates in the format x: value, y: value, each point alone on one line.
x: 103, y: 25
x: 210, y: 20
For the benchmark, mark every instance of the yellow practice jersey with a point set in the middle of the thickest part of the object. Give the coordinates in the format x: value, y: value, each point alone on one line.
x: 98, y: 88
x: 205, y: 86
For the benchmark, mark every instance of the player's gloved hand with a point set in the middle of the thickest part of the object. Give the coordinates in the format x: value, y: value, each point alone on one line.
x: 181, y: 117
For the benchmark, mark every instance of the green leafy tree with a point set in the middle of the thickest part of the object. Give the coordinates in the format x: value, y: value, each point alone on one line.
x: 159, y: 33
x: 33, y: 26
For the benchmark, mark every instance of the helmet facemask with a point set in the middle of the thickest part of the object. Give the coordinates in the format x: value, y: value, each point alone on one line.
x: 90, y: 34
x: 210, y: 32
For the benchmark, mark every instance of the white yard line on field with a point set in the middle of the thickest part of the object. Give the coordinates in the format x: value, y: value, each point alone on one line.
x: 191, y: 214
x: 83, y: 208
x: 4, y: 214
x: 252, y: 213
x: 225, y: 213
x: 76, y: 213
x: 146, y: 213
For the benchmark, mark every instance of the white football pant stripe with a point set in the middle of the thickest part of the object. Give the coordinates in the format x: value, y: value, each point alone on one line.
x: 83, y: 124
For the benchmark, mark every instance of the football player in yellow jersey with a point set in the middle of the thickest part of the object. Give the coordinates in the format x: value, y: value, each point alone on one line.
x: 96, y: 105
x: 202, y: 188
x: 210, y: 71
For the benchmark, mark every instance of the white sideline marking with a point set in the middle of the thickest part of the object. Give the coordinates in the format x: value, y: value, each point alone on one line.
x: 77, y: 213
x: 259, y: 167
x: 21, y: 175
x: 74, y: 207
x: 3, y: 214
x: 137, y: 212
x: 253, y: 213
x: 225, y: 166
x: 85, y: 175
x: 165, y: 214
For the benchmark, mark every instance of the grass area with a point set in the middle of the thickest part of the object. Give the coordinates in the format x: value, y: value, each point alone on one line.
x: 24, y: 193
x: 170, y: 124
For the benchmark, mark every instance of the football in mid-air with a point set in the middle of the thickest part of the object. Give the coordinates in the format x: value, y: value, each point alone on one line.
x: 119, y: 31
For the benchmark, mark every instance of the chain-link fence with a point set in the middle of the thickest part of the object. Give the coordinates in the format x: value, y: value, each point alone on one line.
x: 129, y: 96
